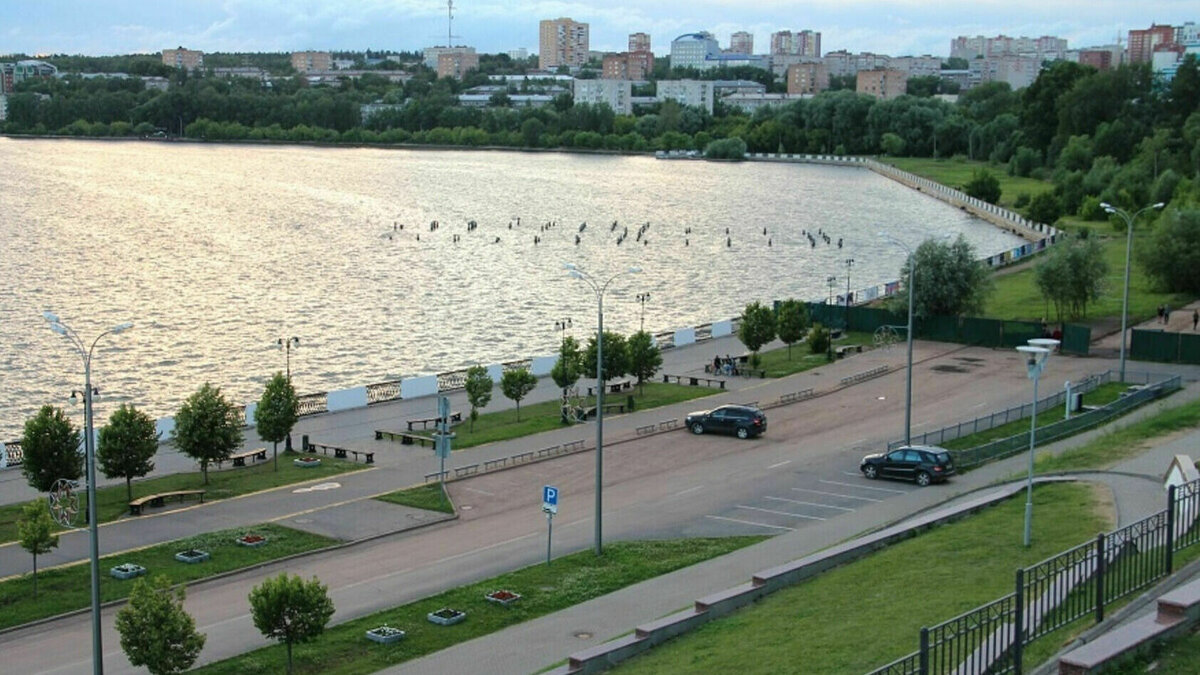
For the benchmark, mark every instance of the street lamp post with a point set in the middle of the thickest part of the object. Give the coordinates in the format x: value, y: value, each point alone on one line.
x: 849, y: 264
x: 85, y: 352
x: 642, y: 298
x: 1129, y: 219
x: 831, y: 280
x: 1036, y: 353
x: 599, y: 288
x: 286, y: 344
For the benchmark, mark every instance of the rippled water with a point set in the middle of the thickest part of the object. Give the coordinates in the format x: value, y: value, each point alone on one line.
x: 216, y: 251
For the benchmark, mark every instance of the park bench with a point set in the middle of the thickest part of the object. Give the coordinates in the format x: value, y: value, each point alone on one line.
x: 608, y: 408
x: 455, y: 418
x: 694, y: 381
x: 614, y: 388
x: 341, y: 453
x: 404, y: 437
x: 256, y: 454
x: 136, y: 506
x: 843, y: 350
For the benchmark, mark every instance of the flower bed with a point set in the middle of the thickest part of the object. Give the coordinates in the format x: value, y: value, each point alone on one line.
x: 446, y: 616
x: 385, y: 635
x: 127, y: 571
x: 503, y: 597
x: 252, y: 540
x: 192, y: 556
x: 307, y: 462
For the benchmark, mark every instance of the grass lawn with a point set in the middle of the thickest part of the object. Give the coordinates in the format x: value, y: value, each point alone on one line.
x: 777, y: 362
x: 69, y: 588
x: 881, y: 602
x: 569, y: 581
x: 1102, y: 395
x: 1122, y: 443
x: 111, y: 502
x: 429, y: 497
x: 546, y: 416
x: 956, y: 173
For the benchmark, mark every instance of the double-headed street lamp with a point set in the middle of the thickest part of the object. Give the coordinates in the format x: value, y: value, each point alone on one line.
x: 831, y: 280
x: 1036, y: 353
x: 85, y: 352
x: 599, y: 288
x: 642, y: 299
x: 561, y: 327
x: 286, y: 344
x: 1129, y: 219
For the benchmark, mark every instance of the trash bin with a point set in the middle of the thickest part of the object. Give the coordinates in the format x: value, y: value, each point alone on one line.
x: 1076, y: 402
x: 304, y: 442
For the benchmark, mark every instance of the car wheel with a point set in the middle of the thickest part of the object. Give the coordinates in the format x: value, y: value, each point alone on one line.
x: 923, y: 479
x: 871, y: 471
x: 697, y: 428
x: 743, y: 433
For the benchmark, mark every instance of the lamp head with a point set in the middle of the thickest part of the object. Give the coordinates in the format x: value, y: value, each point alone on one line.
x: 1159, y: 205
x: 50, y: 316
x: 634, y: 270
x: 121, y: 328
x: 576, y: 274
x: 569, y: 266
x: 1035, y: 359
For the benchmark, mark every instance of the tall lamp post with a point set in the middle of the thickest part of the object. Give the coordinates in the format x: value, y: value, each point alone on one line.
x: 599, y: 288
x: 561, y: 327
x: 642, y: 298
x: 85, y: 352
x: 831, y: 280
x: 287, y: 344
x: 1129, y: 219
x: 849, y: 264
x: 1036, y: 353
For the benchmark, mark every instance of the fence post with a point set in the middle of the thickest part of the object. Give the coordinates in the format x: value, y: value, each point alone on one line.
x: 1019, y: 623
x: 924, y: 651
x: 1101, y: 566
x: 1170, y: 528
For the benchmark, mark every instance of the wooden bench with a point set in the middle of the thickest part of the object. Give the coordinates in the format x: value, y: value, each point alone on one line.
x: 136, y: 506
x: 608, y: 408
x: 843, y: 350
x: 455, y: 418
x: 341, y: 453
x: 614, y: 388
x: 693, y: 381
x: 405, y: 438
x: 240, y: 458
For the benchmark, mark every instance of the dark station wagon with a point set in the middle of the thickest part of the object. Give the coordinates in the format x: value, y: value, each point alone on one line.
x: 742, y: 421
x: 924, y: 464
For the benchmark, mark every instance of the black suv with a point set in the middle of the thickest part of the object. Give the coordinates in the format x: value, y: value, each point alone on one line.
x: 742, y: 420
x: 924, y: 464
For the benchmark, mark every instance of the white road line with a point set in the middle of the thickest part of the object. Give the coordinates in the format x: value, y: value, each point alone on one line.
x: 856, y: 474
x: 751, y: 522
x: 778, y: 513
x: 482, y: 492
x: 691, y: 489
x: 864, y: 487
x: 797, y: 501
x: 834, y: 494
x: 779, y: 464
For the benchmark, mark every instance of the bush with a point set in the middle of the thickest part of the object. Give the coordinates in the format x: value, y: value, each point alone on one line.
x: 1091, y: 209
x: 1170, y: 258
x: 1022, y: 200
x: 983, y: 185
x: 818, y: 339
x: 1044, y: 208
x: 726, y: 148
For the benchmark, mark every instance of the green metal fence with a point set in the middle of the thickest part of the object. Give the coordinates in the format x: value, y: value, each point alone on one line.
x: 1159, y: 345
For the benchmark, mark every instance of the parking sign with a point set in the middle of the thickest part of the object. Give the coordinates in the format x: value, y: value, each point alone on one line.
x: 550, y: 499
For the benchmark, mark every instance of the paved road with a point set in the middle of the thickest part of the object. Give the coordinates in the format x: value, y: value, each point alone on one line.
x: 667, y: 485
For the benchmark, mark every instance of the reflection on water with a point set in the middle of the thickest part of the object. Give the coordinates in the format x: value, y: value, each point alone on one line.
x: 216, y: 251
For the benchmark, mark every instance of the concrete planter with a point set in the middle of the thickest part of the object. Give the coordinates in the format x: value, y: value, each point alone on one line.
x: 307, y: 462
x: 502, y: 597
x: 385, y: 635
x: 252, y: 540
x: 446, y: 616
x: 127, y: 571
x: 192, y: 556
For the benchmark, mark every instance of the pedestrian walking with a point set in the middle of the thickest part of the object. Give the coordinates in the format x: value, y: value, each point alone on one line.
x: 1166, y: 314
x: 1195, y: 319
x: 1160, y: 313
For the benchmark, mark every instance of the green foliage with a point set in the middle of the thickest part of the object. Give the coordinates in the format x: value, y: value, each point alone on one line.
x: 645, y: 358
x: 207, y: 428
x: 983, y: 186
x: 156, y: 631
x: 291, y: 610
x: 34, y: 530
x: 1170, y: 258
x: 516, y: 385
x: 818, y: 339
x: 277, y: 411
x: 616, y: 357
x: 1044, y: 208
x: 1024, y: 161
x: 1072, y: 275
x: 479, y: 390
x: 430, y: 497
x: 1022, y: 200
x: 51, y: 447
x: 758, y: 326
x: 567, y: 368
x: 126, y: 446
x: 950, y: 280
x: 892, y: 144
x: 726, y: 148
x: 792, y: 322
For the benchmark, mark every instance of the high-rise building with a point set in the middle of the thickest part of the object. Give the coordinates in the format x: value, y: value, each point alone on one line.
x: 807, y: 78
x: 628, y: 66
x: 800, y: 43
x: 692, y: 50
x: 882, y: 84
x: 1043, y: 48
x: 188, y: 59
x: 1100, y: 59
x: 741, y: 42
x: 1143, y: 42
x: 456, y: 62
x: 519, y: 54
x: 639, y: 42
x: 304, y: 62
x: 562, y: 42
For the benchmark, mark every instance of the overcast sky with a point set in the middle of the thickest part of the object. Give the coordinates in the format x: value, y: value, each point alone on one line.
x: 895, y: 27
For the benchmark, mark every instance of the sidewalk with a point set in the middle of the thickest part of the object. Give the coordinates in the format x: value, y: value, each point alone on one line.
x: 534, y: 645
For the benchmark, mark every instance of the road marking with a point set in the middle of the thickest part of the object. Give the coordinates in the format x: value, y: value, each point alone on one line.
x: 751, y: 522
x: 778, y: 513
x: 482, y: 492
x: 779, y: 464
x: 797, y: 501
x: 856, y: 474
x: 691, y: 489
x: 373, y: 580
x: 834, y: 494
x: 865, y: 487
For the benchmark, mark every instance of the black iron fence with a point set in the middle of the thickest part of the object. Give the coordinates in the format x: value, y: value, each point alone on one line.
x: 1076, y: 584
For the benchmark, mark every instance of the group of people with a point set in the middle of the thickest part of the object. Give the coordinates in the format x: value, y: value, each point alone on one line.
x: 724, y: 366
x: 1164, y: 316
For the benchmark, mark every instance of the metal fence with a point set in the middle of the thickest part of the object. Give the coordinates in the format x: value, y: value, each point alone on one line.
x: 1159, y: 345
x: 1073, y: 585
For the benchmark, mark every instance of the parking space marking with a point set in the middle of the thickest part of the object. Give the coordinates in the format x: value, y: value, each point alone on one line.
x: 778, y: 513
x: 856, y: 474
x: 691, y: 489
x: 751, y: 522
x: 779, y: 464
x: 797, y: 501
x: 864, y: 487
x: 834, y: 494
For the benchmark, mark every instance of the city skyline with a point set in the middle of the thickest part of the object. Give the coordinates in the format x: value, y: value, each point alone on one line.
x: 895, y: 27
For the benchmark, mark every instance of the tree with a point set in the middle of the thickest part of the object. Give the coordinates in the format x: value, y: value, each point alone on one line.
x: 516, y: 385
x: 126, y: 446
x: 949, y: 280
x: 1044, y: 208
x: 51, y: 447
x: 207, y: 428
x: 1170, y: 258
x: 644, y: 357
x: 479, y: 390
x: 567, y: 368
x: 156, y: 631
x: 892, y: 144
x: 1071, y: 275
x: 34, y: 533
x: 983, y: 185
x: 818, y: 339
x: 758, y: 326
x: 616, y: 357
x: 793, y: 320
x: 277, y: 412
x: 291, y: 610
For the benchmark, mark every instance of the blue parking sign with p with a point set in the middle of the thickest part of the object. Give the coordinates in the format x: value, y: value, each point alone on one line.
x: 550, y: 498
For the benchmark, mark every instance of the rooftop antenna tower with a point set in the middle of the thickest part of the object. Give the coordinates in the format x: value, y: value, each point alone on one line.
x: 450, y: 23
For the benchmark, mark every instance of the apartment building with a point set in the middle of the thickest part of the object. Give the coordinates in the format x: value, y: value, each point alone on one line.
x: 1142, y: 42
x: 456, y: 62
x: 628, y: 66
x: 883, y: 83
x: 618, y: 94
x: 639, y: 42
x: 688, y: 92
x: 807, y: 78
x: 12, y: 74
x: 800, y: 43
x: 917, y: 66
x: 189, y: 59
x: 1046, y: 47
x: 306, y: 62
x: 841, y: 62
x: 741, y: 42
x: 562, y: 42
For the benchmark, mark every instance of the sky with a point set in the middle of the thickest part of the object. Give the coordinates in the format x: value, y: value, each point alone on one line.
x: 894, y: 27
